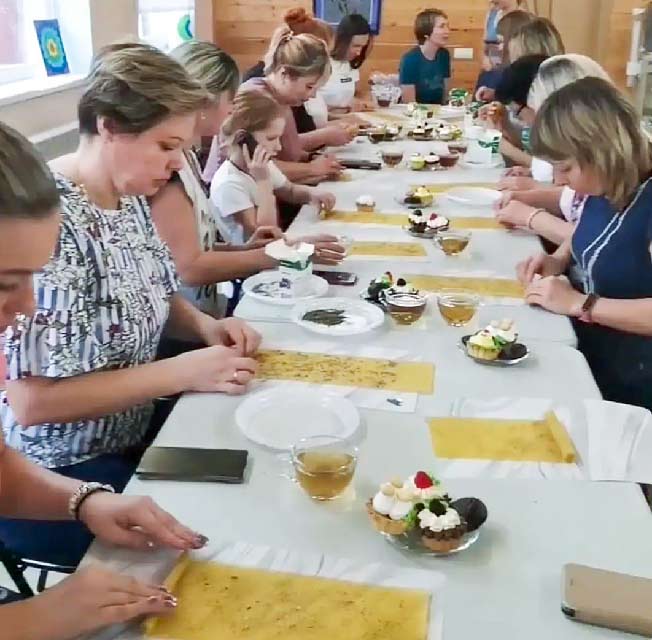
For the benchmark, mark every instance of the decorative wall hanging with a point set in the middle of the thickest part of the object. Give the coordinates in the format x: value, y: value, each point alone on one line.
x: 332, y: 11
x: 51, y: 46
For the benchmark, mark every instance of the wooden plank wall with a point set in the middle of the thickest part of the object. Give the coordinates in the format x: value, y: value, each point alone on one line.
x: 243, y: 28
x: 600, y: 28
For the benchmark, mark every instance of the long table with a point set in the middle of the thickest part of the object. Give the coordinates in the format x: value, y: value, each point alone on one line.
x: 508, y: 584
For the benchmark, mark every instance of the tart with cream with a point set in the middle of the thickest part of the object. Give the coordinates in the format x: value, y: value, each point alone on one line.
x: 366, y: 204
x: 491, y: 341
x: 440, y: 525
x: 431, y: 160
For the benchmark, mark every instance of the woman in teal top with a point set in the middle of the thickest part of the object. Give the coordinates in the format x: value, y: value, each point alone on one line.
x: 425, y: 69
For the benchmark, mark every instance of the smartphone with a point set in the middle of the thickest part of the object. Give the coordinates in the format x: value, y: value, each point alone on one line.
x: 352, y: 163
x: 247, y: 139
x: 343, y: 278
x: 607, y: 599
x: 193, y: 465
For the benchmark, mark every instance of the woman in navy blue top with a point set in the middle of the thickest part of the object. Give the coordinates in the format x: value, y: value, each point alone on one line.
x: 592, y: 135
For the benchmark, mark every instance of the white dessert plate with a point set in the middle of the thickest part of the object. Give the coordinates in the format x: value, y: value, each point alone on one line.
x: 279, y: 417
x: 473, y: 196
x: 353, y: 317
x: 411, y: 541
x: 516, y: 354
x: 271, y: 287
x: 496, y: 163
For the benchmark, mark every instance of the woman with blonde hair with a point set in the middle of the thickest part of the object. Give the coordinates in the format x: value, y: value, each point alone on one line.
x: 592, y: 136
x: 536, y: 37
x: 82, y: 375
x: 245, y: 187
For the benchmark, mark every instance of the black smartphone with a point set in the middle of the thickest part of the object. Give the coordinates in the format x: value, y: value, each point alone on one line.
x: 193, y: 465
x: 353, y: 163
x: 247, y: 139
x: 343, y: 278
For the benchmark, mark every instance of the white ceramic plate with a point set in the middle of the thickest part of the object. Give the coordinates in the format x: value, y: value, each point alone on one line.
x: 279, y: 417
x: 267, y: 286
x: 473, y: 196
x: 496, y: 163
x: 359, y: 317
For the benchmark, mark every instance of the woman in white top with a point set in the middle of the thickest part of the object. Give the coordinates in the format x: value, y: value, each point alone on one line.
x: 245, y: 187
x: 353, y: 42
x: 548, y: 210
x: 183, y: 212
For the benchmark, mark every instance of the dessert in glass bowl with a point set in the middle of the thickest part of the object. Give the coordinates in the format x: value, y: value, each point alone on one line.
x: 365, y: 203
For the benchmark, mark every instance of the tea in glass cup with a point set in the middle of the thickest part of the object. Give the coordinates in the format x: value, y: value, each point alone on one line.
x: 452, y: 243
x: 406, y: 308
x: 457, y: 308
x: 324, y: 466
x: 392, y: 157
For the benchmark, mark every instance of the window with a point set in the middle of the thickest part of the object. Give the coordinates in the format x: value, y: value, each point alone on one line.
x: 20, y: 57
x: 166, y: 23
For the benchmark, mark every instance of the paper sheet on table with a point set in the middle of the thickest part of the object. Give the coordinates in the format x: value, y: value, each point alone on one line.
x: 218, y: 600
x: 613, y: 441
x: 543, y: 440
x: 370, y: 116
x: 155, y: 566
x: 447, y: 186
x: 399, y: 220
x: 486, y: 287
x: 387, y: 249
x: 369, y: 373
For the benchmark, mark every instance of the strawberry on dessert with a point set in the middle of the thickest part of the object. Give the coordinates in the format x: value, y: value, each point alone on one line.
x: 437, y: 222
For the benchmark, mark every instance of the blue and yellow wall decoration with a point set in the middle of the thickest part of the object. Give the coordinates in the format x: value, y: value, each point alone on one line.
x: 51, y: 45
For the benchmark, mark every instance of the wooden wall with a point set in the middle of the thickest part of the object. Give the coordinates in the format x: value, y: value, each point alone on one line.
x: 243, y: 28
x: 599, y: 28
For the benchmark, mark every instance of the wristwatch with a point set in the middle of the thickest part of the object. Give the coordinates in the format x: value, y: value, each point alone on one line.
x: 587, y: 307
x: 83, y: 491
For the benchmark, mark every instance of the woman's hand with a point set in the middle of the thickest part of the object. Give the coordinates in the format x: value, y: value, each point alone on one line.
x: 556, y: 294
x: 485, y: 94
x: 136, y: 522
x: 258, y: 165
x: 494, y: 115
x: 262, y: 236
x: 338, y: 136
x: 517, y: 183
x: 326, y: 167
x: 322, y: 199
x: 94, y: 598
x: 537, y: 267
x: 216, y: 369
x: 233, y: 333
x: 328, y: 250
x: 514, y: 214
x: 362, y: 105
x: 525, y: 172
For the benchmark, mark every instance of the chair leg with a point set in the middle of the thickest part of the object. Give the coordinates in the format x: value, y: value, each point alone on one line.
x: 16, y: 570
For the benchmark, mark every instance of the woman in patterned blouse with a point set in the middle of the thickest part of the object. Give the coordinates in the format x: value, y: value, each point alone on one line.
x: 81, y: 370
x: 93, y: 597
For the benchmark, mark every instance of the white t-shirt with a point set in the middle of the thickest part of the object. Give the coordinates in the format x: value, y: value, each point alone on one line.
x: 317, y: 109
x: 571, y: 205
x: 339, y: 91
x: 233, y: 191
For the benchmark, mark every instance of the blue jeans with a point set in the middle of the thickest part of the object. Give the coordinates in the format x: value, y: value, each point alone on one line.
x: 65, y: 543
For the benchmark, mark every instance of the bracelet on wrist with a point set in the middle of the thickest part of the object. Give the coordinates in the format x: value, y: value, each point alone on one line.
x: 532, y: 216
x: 82, y: 493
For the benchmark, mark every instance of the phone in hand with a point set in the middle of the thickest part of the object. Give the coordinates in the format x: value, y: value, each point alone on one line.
x: 247, y: 139
x: 343, y: 278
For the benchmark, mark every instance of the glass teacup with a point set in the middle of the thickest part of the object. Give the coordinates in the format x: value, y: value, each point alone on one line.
x: 324, y: 466
x: 457, y: 307
x: 452, y: 243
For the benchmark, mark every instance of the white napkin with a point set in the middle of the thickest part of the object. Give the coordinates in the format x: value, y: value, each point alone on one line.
x: 614, y: 441
x: 379, y: 399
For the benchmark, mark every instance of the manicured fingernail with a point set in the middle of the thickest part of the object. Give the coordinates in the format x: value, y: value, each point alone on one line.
x: 201, y: 541
x: 170, y: 602
x: 164, y: 589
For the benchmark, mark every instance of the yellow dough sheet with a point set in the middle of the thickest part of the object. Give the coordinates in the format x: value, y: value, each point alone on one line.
x: 366, y: 373
x: 400, y: 220
x: 503, y: 440
x: 219, y: 602
x: 489, y: 287
x: 443, y: 187
x: 390, y: 249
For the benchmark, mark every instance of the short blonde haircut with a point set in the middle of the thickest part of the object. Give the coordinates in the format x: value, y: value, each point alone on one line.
x: 301, y: 56
x: 135, y: 87
x: 558, y: 71
x: 208, y: 65
x: 591, y: 122
x: 252, y: 111
x: 537, y: 37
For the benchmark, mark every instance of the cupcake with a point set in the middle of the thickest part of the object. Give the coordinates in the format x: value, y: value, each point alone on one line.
x: 392, y: 133
x: 491, y: 341
x: 418, y: 222
x: 437, y: 222
x: 431, y: 160
x: 419, y: 196
x: 378, y: 285
x: 366, y: 204
x: 390, y: 508
x: 417, y: 162
x: 445, y: 132
x: 441, y: 527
